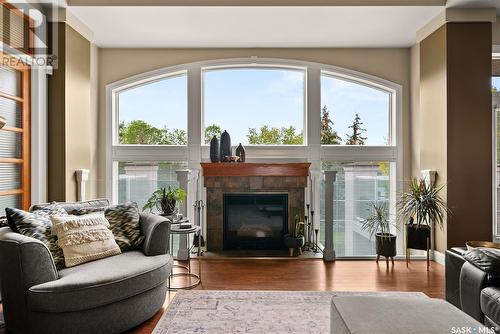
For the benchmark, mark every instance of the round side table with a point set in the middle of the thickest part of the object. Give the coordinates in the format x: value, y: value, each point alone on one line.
x: 186, y: 269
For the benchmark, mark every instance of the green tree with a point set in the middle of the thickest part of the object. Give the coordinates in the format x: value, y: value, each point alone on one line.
x: 139, y: 132
x: 356, y: 137
x: 212, y: 130
x: 328, y: 135
x: 173, y: 137
x: 143, y: 133
x: 274, y: 136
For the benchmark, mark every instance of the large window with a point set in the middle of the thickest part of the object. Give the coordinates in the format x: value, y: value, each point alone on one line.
x: 138, y: 180
x: 354, y: 113
x: 257, y: 106
x: 282, y: 111
x: 154, y: 113
x: 495, y: 87
x: 358, y: 185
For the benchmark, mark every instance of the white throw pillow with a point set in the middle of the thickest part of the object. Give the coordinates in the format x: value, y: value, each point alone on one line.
x: 84, y: 238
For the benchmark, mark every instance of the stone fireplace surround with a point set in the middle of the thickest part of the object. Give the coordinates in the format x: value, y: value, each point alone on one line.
x: 221, y: 178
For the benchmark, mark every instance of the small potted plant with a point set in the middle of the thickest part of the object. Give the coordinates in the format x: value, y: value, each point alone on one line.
x: 165, y: 200
x: 296, y: 239
x: 421, y: 206
x: 378, y: 224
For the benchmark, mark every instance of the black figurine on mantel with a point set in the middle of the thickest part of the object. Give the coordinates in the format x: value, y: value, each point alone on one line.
x: 214, y: 150
x: 225, y: 146
x: 240, y: 152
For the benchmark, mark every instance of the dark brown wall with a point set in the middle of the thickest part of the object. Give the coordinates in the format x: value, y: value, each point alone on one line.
x: 469, y: 132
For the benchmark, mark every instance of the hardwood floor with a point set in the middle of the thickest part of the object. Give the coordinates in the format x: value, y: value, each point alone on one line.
x: 312, y: 275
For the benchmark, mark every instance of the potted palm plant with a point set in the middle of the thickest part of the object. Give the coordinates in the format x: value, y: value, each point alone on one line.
x: 378, y: 224
x: 165, y: 200
x: 421, y: 206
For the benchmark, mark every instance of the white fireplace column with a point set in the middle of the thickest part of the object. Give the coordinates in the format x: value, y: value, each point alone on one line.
x: 328, y: 251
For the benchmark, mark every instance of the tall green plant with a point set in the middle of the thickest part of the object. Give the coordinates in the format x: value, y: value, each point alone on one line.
x: 164, y: 198
x: 378, y: 221
x: 423, y: 204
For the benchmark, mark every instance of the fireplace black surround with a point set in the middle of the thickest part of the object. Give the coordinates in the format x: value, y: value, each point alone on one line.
x: 254, y: 221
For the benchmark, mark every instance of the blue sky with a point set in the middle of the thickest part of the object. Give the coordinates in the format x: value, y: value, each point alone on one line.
x: 495, y: 82
x: 238, y: 99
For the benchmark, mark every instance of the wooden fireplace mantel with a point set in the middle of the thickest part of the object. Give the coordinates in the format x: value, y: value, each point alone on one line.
x: 255, y: 169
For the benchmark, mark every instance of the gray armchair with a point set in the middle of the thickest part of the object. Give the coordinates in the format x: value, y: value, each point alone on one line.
x: 105, y: 296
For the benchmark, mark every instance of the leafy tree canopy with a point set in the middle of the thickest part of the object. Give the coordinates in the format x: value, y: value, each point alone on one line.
x: 212, y: 130
x: 275, y: 136
x: 140, y: 132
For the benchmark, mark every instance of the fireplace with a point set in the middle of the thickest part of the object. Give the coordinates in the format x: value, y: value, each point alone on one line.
x: 255, y: 221
x: 247, y: 187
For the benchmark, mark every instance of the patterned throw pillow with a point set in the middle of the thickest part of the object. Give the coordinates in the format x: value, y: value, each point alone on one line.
x: 84, y: 238
x: 124, y: 223
x: 37, y: 225
x: 88, y: 210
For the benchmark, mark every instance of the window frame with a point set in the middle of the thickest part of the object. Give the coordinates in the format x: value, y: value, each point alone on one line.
x: 142, y: 83
x: 311, y: 151
x: 302, y: 69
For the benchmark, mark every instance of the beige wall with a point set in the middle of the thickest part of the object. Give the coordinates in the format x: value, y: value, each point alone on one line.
x: 78, y: 129
x: 496, y: 32
x: 415, y: 110
x: 70, y: 133
x: 432, y: 114
x: 92, y: 186
x: 390, y: 64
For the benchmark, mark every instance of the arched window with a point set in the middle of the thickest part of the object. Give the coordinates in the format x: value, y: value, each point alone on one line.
x: 258, y: 105
x: 154, y: 112
x: 354, y: 113
x: 283, y: 110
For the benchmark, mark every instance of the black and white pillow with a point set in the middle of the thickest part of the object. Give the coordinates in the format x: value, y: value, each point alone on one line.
x: 124, y: 223
x: 89, y: 210
x: 37, y: 224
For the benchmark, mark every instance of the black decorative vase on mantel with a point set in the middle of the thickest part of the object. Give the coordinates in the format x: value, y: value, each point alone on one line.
x: 214, y: 150
x: 240, y: 152
x: 225, y: 146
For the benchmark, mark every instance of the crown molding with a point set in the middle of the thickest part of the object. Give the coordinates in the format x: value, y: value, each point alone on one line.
x: 65, y: 16
x: 256, y: 2
x: 456, y: 15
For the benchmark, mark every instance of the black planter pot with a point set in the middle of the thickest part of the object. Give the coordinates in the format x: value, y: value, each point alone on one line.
x: 416, y: 237
x: 293, y: 243
x: 385, y: 244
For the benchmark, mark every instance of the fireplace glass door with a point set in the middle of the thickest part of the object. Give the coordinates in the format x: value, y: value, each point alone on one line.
x: 255, y: 221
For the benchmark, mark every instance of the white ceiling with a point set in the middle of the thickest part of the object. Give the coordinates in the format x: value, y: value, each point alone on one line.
x: 254, y: 26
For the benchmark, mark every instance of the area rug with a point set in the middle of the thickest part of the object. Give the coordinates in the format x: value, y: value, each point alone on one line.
x: 253, y: 312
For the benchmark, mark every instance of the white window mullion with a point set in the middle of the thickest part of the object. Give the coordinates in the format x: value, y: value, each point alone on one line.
x: 313, y: 125
x: 195, y: 128
x: 359, y: 153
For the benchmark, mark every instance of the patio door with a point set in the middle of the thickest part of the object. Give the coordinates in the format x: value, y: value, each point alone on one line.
x: 496, y: 166
x: 15, y: 135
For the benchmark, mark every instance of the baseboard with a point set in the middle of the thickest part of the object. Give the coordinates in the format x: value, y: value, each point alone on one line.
x: 438, y: 257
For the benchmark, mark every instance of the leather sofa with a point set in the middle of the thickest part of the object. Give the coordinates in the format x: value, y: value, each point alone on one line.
x: 110, y: 295
x: 472, y: 283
